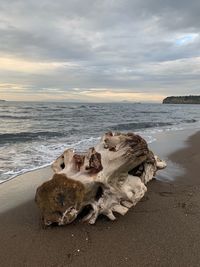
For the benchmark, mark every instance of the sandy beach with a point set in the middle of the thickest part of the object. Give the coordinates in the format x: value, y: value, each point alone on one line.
x: 162, y: 230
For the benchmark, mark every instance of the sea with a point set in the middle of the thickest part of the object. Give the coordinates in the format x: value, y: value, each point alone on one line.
x: 33, y: 134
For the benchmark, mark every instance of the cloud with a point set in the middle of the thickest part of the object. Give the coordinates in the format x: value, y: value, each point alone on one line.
x: 107, y: 48
x: 25, y: 66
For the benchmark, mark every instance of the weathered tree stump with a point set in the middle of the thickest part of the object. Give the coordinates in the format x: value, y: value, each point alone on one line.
x: 108, y: 178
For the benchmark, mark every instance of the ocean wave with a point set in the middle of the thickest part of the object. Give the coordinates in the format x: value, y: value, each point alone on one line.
x: 138, y: 125
x: 9, y: 175
x: 26, y: 136
x: 15, y: 117
x: 143, y: 125
x: 42, y: 155
x: 152, y: 112
x: 189, y: 121
x: 83, y: 106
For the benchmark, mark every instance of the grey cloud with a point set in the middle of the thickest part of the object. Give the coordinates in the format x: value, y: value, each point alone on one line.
x: 110, y: 41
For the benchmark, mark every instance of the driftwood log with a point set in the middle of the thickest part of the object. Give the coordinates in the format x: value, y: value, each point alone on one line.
x: 109, y: 178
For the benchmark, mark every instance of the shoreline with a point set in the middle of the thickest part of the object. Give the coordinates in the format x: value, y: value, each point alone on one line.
x: 161, y: 230
x: 189, y: 158
x: 26, y: 172
x: 22, y: 188
x: 159, y: 138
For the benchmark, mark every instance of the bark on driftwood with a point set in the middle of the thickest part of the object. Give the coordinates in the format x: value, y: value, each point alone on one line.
x: 109, y: 178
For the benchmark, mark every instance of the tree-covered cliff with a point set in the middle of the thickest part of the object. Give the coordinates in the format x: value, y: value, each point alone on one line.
x: 191, y: 99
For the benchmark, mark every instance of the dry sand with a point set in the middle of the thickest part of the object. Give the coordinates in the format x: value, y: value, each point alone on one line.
x: 162, y: 230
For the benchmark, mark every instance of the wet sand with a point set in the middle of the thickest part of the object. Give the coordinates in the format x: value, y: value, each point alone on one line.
x: 162, y: 230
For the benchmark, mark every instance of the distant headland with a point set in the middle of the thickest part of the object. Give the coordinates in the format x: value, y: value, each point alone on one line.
x: 191, y: 99
x: 1, y: 100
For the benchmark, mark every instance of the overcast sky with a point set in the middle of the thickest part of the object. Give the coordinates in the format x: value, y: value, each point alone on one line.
x: 99, y: 50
